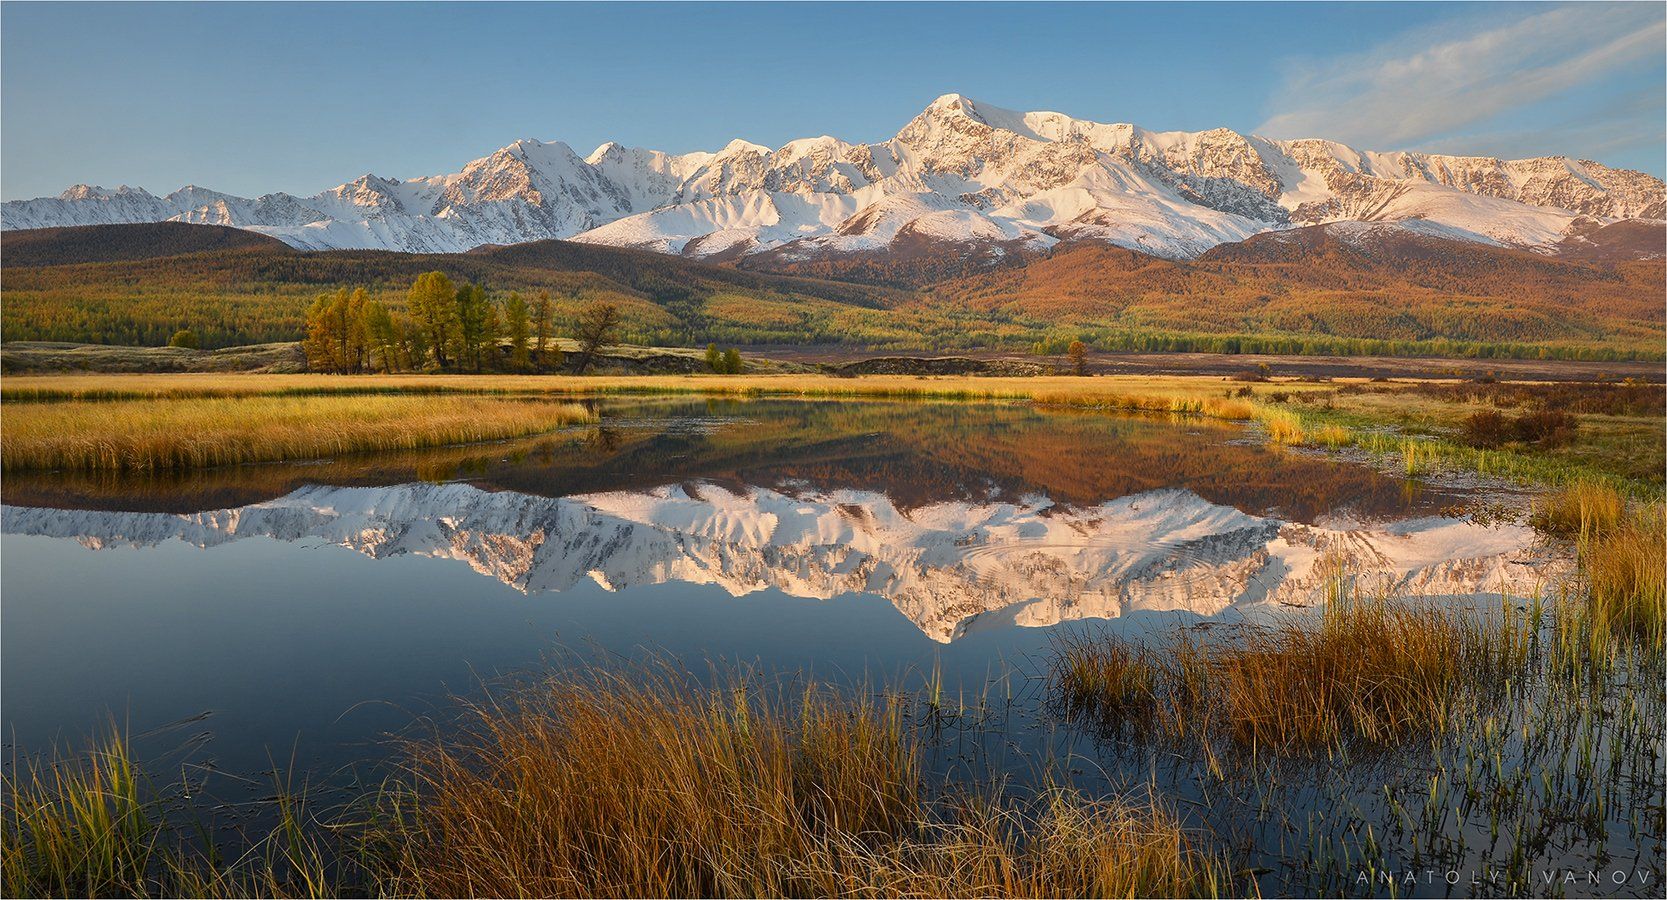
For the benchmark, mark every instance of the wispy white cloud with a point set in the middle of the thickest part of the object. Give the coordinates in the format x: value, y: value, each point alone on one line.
x: 1634, y: 122
x: 1422, y: 88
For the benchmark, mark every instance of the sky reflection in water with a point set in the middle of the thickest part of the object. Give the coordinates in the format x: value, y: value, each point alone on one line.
x: 317, y: 607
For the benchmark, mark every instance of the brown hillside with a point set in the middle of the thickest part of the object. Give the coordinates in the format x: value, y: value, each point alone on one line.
x: 1397, y: 286
x: 120, y: 243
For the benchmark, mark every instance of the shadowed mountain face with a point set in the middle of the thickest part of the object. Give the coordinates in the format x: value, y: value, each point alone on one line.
x: 959, y: 516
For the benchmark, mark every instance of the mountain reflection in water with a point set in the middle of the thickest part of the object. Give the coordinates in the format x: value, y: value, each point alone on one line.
x: 947, y: 566
x: 844, y: 540
x: 960, y: 515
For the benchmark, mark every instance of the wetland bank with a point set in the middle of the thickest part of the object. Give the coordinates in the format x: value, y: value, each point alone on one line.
x: 949, y: 637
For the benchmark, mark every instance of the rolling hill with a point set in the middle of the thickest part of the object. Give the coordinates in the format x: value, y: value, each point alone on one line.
x: 1347, y: 281
x: 1338, y: 288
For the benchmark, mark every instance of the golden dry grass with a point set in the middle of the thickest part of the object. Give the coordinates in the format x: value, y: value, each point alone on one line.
x: 151, y: 422
x: 1621, y: 549
x: 75, y: 827
x: 655, y: 786
x: 148, y: 435
x: 1626, y: 567
x: 1371, y: 669
x: 1579, y: 510
x: 1158, y: 392
x: 1283, y: 426
x: 610, y: 784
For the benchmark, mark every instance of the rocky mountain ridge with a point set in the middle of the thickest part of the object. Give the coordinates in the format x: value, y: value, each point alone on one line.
x: 961, y: 174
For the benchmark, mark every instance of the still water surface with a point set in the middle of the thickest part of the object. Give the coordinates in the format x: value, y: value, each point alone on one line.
x: 299, y: 614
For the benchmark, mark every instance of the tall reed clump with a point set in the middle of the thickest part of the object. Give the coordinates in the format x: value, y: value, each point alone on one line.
x: 1626, y: 571
x: 657, y: 786
x: 1622, y: 554
x: 77, y: 828
x: 1373, y: 670
x: 1283, y: 426
x: 1579, y: 510
x: 91, y: 825
x: 1332, y: 436
x: 1113, y: 682
x: 1058, y: 845
x: 148, y: 435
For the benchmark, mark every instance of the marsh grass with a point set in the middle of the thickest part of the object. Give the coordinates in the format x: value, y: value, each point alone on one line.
x: 1579, y: 510
x: 1283, y: 426
x: 641, y: 781
x: 162, y: 423
x: 1166, y: 393
x: 1621, y: 550
x: 152, y: 435
x: 76, y: 827
x: 1372, y: 670
x: 1332, y: 436
x: 656, y: 786
x: 92, y: 825
x: 1157, y: 401
x: 1626, y: 570
x: 1610, y: 449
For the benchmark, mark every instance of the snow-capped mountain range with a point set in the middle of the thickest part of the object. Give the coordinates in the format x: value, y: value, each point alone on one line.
x: 961, y: 172
x: 948, y: 567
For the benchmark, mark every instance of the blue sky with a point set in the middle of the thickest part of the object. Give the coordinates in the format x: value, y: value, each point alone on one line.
x: 252, y: 98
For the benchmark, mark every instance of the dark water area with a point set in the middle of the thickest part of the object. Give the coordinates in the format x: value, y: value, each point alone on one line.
x: 298, y: 615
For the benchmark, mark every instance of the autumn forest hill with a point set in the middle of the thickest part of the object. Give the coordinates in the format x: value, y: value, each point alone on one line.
x: 140, y: 284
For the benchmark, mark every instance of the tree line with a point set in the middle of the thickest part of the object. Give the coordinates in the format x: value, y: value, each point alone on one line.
x: 448, y: 327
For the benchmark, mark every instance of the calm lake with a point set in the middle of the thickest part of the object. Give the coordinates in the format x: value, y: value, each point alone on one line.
x: 298, y: 615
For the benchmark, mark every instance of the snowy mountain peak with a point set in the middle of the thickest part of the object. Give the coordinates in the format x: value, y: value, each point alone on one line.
x: 604, y: 151
x: 95, y: 192
x: 962, y: 172
x: 739, y: 147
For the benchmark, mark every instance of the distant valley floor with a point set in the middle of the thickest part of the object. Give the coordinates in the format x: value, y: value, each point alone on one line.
x: 49, y: 357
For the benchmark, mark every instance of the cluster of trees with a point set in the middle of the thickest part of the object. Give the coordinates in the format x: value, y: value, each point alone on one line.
x: 446, y: 327
x: 724, y: 362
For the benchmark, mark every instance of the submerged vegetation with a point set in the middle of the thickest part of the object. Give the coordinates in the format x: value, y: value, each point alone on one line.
x: 1386, y: 739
